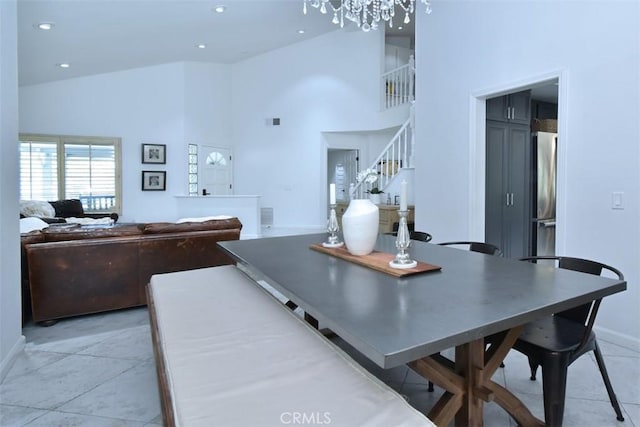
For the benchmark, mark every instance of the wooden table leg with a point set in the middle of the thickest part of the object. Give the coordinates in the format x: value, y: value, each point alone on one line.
x: 468, y: 383
x: 469, y: 365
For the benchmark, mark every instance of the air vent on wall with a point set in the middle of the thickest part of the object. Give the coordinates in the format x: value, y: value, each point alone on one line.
x: 266, y: 216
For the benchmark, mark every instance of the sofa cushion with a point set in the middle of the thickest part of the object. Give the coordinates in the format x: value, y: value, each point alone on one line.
x: 67, y: 208
x: 31, y: 237
x: 77, y: 232
x: 37, y: 208
x: 170, y: 227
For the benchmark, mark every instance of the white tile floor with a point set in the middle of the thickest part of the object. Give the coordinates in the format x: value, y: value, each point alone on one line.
x: 99, y: 371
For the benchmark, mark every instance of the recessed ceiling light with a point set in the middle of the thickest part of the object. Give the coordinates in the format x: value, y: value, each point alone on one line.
x: 64, y: 65
x: 201, y: 46
x: 220, y: 8
x: 300, y: 31
x: 45, y: 26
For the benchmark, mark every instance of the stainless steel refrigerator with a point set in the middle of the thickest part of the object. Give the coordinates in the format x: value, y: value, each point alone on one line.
x: 544, y: 203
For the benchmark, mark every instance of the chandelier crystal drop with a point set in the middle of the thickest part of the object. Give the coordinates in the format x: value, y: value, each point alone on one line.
x: 366, y: 13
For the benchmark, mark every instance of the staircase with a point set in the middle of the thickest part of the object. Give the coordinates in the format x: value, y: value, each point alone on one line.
x: 398, y: 89
x: 398, y: 85
x: 396, y: 156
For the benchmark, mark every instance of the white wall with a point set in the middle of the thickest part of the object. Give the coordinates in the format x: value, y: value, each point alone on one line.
x: 462, y: 53
x: 327, y: 84
x: 11, y: 340
x: 172, y: 104
x: 207, y: 100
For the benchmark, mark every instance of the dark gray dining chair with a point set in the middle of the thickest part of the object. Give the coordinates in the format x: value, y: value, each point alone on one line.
x: 555, y: 342
x: 481, y: 247
x: 416, y: 235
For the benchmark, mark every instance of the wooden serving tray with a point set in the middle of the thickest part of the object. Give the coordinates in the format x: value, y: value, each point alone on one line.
x: 378, y: 261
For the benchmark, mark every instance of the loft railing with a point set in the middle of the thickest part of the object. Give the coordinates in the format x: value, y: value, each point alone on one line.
x: 97, y: 203
x: 397, y: 154
x: 399, y: 85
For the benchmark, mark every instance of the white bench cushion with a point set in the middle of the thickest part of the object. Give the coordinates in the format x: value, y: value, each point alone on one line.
x: 235, y: 356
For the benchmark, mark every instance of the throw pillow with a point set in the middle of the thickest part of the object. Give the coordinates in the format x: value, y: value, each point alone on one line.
x: 89, y: 221
x: 68, y: 207
x: 32, y: 223
x: 37, y: 208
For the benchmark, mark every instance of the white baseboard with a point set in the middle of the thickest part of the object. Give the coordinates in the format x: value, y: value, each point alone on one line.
x: 250, y: 236
x: 7, y: 363
x: 623, y: 340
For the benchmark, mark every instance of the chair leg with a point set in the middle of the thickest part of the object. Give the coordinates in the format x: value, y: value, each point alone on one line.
x: 554, y: 385
x: 607, y: 382
x: 533, y: 365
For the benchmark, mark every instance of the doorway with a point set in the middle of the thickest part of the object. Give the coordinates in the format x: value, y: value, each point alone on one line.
x: 520, y: 170
x: 342, y: 169
x: 215, y: 163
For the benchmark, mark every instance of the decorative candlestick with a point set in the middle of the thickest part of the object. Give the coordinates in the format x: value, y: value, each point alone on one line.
x: 333, y: 241
x: 403, y: 242
x: 332, y: 194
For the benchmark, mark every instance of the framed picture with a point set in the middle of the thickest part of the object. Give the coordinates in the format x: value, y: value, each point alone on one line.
x: 154, y: 153
x: 154, y: 180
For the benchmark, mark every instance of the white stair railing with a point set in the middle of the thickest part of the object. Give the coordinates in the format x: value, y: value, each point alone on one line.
x: 398, y: 85
x: 396, y: 155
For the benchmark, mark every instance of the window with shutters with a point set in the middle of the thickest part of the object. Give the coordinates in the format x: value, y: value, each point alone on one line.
x: 56, y: 167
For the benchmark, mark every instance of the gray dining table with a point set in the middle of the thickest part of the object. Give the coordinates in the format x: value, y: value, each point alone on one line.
x: 409, y: 320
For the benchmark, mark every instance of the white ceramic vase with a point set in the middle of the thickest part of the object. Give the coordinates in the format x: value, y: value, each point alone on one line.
x: 360, y: 226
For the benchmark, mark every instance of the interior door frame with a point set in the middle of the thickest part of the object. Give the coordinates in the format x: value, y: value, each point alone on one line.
x: 357, y: 153
x: 202, y: 158
x: 477, y: 151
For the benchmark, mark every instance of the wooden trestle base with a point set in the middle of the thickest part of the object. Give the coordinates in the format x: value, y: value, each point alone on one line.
x: 467, y: 383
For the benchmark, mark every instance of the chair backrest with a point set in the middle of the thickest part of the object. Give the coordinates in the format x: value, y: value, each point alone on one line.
x: 482, y: 247
x: 585, y: 314
x: 420, y: 235
x: 415, y: 235
x: 410, y: 225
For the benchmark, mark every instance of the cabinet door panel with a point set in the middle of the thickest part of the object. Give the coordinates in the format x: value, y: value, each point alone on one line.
x: 513, y: 108
x: 497, y: 108
x: 495, y: 193
x: 518, y: 182
x: 520, y: 104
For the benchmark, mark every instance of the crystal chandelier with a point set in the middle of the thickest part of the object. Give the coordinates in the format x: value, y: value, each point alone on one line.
x: 366, y: 13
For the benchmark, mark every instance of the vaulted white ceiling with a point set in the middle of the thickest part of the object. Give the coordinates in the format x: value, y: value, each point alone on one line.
x: 98, y: 36
x: 101, y: 36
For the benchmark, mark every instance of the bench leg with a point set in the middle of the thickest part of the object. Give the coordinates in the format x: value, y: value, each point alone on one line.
x: 292, y: 305
x: 309, y: 318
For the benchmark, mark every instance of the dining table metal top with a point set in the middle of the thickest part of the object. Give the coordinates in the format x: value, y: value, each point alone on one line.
x: 393, y: 321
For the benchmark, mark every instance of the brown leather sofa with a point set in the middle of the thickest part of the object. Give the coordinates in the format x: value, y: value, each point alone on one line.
x: 75, y: 270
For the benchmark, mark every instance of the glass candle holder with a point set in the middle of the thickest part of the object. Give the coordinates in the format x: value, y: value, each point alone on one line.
x: 333, y: 241
x: 403, y: 242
